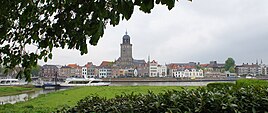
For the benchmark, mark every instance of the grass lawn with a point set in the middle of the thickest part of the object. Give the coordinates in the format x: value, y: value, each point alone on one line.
x: 50, y: 102
x: 13, y: 90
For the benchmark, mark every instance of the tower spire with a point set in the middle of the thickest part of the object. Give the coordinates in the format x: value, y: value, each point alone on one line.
x: 126, y: 31
x: 149, y: 59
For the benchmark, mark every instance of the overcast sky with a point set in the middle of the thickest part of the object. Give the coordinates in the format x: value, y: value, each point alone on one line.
x: 198, y: 31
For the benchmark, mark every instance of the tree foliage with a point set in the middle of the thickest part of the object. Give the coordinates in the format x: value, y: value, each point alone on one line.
x: 49, y: 24
x: 230, y: 65
x: 36, y: 70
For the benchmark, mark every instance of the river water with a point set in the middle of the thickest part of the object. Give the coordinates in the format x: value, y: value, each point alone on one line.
x: 26, y: 96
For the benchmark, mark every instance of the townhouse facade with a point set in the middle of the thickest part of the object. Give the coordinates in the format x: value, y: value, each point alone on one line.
x: 89, y: 70
x: 104, y: 72
x: 76, y: 70
x: 251, y: 69
x: 105, y: 69
x: 189, y: 73
x: 213, y: 70
x: 65, y: 71
x: 108, y: 69
x: 50, y: 70
x: 156, y: 70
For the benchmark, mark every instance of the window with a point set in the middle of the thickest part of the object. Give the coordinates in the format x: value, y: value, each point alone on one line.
x: 2, y: 82
x: 78, y: 82
x: 95, y: 81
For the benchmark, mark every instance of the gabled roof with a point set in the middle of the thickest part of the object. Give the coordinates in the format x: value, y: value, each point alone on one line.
x: 50, y: 66
x: 204, y: 65
x: 153, y: 61
x: 185, y: 64
x: 172, y: 66
x: 89, y: 64
x: 73, y: 66
x: 214, y: 64
x: 189, y: 67
x: 65, y: 67
x: 139, y: 61
x: 106, y: 64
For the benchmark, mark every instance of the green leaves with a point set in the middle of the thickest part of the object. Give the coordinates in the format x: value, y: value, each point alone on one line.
x: 229, y: 65
x: 147, y: 5
x: 169, y: 3
x: 125, y: 7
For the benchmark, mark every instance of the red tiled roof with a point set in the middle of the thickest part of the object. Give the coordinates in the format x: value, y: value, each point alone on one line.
x: 189, y: 67
x: 89, y: 64
x: 204, y: 65
x: 105, y: 63
x: 173, y: 66
x: 73, y: 66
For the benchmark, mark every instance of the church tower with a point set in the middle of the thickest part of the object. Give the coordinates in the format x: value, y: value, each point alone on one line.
x: 125, y: 59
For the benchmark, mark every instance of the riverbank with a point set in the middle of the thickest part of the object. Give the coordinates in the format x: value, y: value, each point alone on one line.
x: 50, y: 102
x: 158, y: 79
x: 14, y: 90
x: 152, y: 79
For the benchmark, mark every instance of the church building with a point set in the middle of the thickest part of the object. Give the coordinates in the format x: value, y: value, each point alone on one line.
x: 125, y: 60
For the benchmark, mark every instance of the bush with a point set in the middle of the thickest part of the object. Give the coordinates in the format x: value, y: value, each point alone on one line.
x: 29, y: 106
x: 202, y: 100
x: 251, y: 82
x: 220, y: 85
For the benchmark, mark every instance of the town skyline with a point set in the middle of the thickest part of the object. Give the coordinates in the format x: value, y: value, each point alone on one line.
x: 194, y: 32
x: 148, y: 58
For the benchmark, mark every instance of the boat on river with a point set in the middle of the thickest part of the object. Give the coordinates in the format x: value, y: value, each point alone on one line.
x: 11, y: 82
x: 69, y: 82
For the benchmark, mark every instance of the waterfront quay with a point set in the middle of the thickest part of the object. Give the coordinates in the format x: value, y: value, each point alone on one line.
x: 150, y: 79
x: 156, y: 79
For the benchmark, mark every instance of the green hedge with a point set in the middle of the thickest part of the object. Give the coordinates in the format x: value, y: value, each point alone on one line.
x: 220, y: 85
x: 203, y: 100
x: 240, y: 83
x: 244, y: 96
x: 252, y: 82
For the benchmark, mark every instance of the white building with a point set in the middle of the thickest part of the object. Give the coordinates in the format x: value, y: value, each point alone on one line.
x: 189, y: 73
x: 249, y: 69
x: 84, y: 71
x: 162, y: 71
x: 104, y: 72
x: 264, y: 70
x: 89, y: 70
x: 156, y: 70
x: 153, y: 69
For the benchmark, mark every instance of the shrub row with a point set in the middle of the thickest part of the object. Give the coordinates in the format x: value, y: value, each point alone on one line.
x: 220, y: 85
x: 246, y: 99
x: 252, y: 82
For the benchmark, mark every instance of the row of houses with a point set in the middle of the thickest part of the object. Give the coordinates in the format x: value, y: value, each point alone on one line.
x: 104, y: 70
x: 108, y: 69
